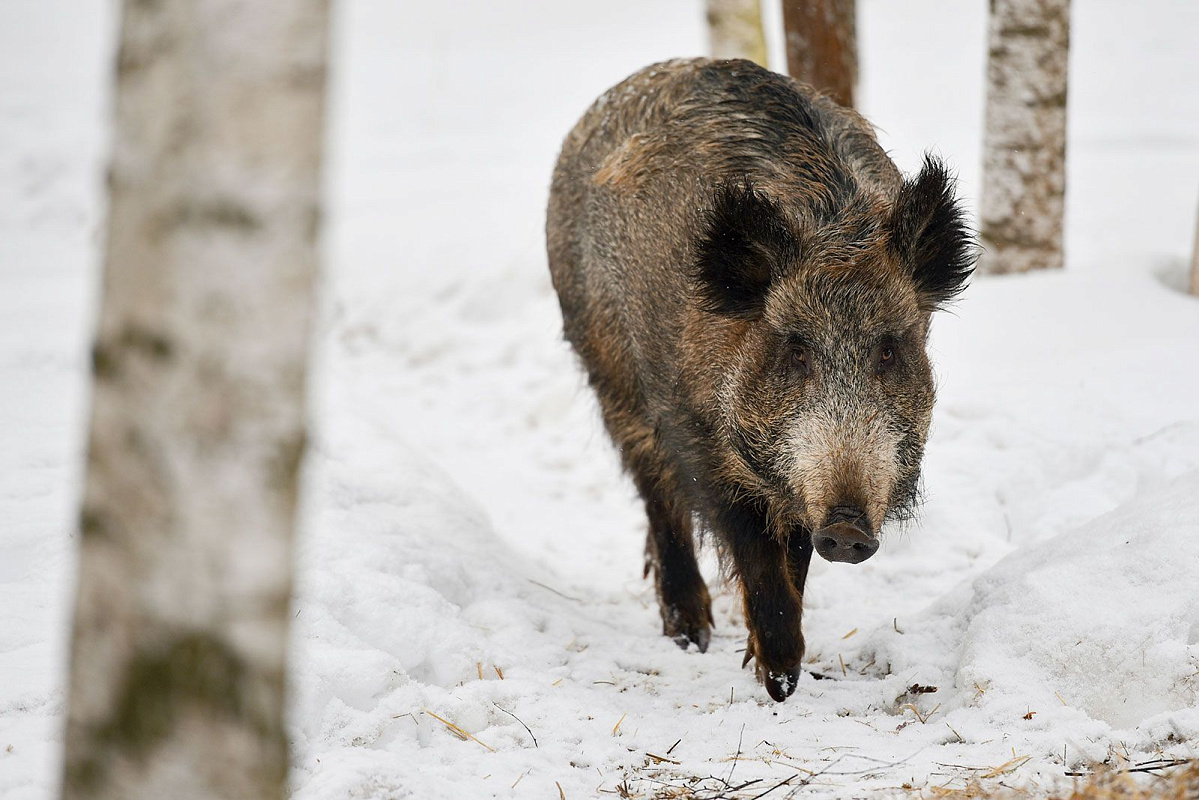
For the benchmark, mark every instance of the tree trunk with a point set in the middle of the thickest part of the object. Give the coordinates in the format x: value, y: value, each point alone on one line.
x: 1195, y: 264
x: 735, y: 30
x: 197, y: 426
x: 1024, y: 143
x: 822, y: 48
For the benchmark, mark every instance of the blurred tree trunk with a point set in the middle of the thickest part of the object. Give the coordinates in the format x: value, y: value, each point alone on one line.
x: 1195, y: 264
x: 1024, y: 142
x: 735, y: 30
x: 197, y: 427
x: 822, y: 47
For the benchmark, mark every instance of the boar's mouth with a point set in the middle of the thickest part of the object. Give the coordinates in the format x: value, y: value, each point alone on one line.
x: 846, y: 536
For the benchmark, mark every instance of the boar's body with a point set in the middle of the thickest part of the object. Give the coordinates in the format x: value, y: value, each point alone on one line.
x: 748, y: 280
x: 636, y: 178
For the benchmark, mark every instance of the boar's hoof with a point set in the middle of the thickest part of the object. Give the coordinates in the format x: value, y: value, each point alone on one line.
x: 780, y: 685
x: 687, y: 627
x: 700, y: 638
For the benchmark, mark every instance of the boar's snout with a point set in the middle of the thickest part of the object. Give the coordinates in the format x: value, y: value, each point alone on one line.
x: 846, y: 536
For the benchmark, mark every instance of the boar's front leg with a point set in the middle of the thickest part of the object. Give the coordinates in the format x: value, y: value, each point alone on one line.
x: 799, y: 557
x: 670, y: 551
x: 773, y: 604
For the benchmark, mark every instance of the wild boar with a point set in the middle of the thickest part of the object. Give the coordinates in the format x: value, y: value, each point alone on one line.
x: 748, y: 280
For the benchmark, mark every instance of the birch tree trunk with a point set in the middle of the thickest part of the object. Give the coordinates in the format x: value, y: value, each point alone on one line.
x: 735, y: 30
x: 197, y: 426
x: 1024, y: 142
x: 822, y: 47
x: 1195, y: 264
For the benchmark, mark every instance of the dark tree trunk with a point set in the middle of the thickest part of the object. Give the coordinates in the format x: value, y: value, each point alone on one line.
x: 822, y: 48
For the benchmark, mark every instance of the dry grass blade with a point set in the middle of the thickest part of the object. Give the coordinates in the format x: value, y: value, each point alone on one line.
x: 555, y: 591
x: 454, y: 729
x: 1180, y: 781
x: 972, y: 789
x: 922, y: 717
x: 1006, y: 766
x: 681, y: 787
x: 661, y: 759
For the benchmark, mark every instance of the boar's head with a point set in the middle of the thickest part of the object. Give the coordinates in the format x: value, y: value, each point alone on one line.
x: 825, y: 392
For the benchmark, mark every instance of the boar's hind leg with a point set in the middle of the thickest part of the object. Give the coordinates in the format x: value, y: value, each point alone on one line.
x: 771, y: 586
x: 670, y: 552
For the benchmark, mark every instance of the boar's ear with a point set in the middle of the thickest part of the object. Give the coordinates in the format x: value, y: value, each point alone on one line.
x: 930, y: 235
x: 743, y: 242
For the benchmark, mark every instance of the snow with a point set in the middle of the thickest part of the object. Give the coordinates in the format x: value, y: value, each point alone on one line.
x: 464, y: 513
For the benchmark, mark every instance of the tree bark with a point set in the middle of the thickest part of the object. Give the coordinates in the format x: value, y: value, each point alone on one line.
x: 822, y: 47
x: 1195, y: 264
x: 1024, y: 143
x: 197, y: 421
x: 735, y: 30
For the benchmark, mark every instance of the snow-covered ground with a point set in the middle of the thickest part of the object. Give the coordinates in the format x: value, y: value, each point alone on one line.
x: 470, y: 549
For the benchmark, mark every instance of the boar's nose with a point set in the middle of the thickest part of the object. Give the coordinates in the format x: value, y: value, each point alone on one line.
x: 846, y: 536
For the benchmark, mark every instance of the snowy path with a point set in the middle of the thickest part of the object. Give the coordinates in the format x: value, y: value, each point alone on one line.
x: 465, y: 515
x: 1089, y: 625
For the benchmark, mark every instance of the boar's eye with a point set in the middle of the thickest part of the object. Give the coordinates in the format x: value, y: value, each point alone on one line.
x: 885, y: 356
x: 799, y: 362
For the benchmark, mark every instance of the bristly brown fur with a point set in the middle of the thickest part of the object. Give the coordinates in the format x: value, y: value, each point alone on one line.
x: 748, y: 280
x: 744, y: 238
x: 929, y: 231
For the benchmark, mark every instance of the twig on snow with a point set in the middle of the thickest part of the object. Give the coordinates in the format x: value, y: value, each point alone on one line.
x: 518, y: 719
x: 736, y: 758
